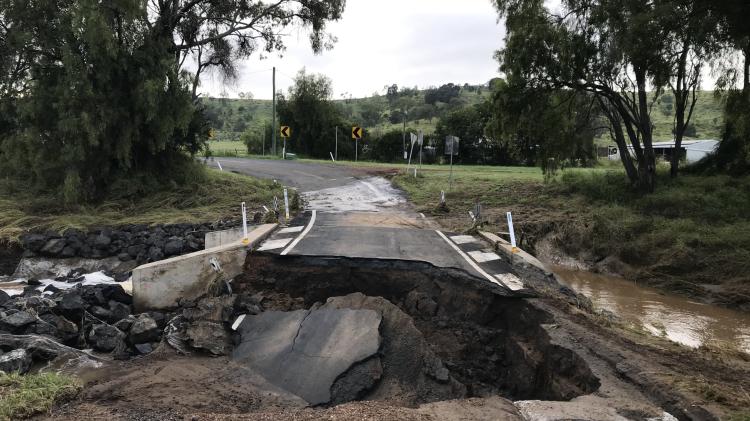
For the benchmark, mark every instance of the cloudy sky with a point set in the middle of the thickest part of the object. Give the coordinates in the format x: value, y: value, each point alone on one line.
x: 407, y: 42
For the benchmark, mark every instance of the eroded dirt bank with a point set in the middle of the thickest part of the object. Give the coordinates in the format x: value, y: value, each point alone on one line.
x: 451, y: 347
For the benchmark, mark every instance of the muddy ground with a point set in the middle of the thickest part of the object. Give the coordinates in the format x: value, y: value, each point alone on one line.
x: 537, y: 358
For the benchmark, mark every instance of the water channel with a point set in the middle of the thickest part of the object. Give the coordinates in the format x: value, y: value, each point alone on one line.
x: 674, y: 317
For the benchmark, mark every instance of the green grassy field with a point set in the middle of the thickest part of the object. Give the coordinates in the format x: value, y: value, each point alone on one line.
x: 215, y: 196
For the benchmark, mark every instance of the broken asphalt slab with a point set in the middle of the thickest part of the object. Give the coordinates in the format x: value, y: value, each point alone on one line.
x: 306, y: 351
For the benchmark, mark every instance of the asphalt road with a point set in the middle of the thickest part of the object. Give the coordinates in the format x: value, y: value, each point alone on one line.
x: 304, y: 176
x: 352, y: 214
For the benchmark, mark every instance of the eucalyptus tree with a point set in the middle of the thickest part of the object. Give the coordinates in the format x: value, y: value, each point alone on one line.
x: 102, y: 94
x: 618, y: 51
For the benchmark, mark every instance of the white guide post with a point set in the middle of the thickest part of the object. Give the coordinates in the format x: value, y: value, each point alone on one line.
x: 512, y: 233
x: 286, y: 202
x: 244, y: 224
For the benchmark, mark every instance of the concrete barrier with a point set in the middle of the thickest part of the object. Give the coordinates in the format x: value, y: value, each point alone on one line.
x: 160, y: 285
x: 222, y: 238
x: 519, y: 257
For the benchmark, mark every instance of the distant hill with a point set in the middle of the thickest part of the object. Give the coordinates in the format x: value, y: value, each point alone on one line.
x: 231, y: 117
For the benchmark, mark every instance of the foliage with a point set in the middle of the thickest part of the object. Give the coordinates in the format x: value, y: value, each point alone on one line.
x: 311, y: 114
x: 256, y: 141
x: 474, y: 147
x: 92, y: 92
x: 537, y: 127
x: 445, y: 93
x: 23, y: 396
x: 733, y: 154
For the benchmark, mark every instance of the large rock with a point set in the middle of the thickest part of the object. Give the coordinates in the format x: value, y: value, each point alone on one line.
x: 106, y: 338
x: 306, y: 351
x: 4, y: 297
x: 144, y: 329
x: 210, y: 336
x: 33, y: 242
x: 411, y: 370
x: 71, y: 302
x: 53, y: 247
x: 215, y: 309
x: 40, y: 347
x: 16, y: 322
x: 16, y: 361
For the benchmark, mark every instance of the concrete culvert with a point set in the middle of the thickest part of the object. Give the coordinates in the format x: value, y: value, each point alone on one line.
x: 444, y: 334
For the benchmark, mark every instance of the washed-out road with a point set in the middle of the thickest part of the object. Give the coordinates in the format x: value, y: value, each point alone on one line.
x: 351, y: 213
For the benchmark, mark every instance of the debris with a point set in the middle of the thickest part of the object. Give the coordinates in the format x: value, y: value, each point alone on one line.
x: 210, y: 336
x: 306, y: 351
x: 16, y: 361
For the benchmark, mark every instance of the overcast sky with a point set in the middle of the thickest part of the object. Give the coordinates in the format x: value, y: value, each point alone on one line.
x: 407, y: 42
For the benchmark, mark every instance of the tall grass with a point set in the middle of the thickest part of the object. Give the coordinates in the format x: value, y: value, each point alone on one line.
x: 212, y: 196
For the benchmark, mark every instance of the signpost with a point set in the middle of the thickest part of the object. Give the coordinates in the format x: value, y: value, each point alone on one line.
x: 451, y: 148
x: 286, y: 132
x: 413, y: 138
x: 356, y: 135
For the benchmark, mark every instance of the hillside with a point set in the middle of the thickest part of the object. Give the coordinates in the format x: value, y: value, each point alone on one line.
x: 231, y: 117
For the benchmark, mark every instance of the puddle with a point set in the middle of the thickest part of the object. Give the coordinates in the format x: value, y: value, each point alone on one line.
x: 368, y: 195
x: 674, y: 317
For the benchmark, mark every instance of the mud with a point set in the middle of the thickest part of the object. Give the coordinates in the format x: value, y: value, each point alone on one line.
x: 491, y: 343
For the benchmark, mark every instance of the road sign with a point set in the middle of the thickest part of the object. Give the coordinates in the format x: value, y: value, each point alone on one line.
x: 286, y: 132
x: 451, y: 145
x: 356, y: 132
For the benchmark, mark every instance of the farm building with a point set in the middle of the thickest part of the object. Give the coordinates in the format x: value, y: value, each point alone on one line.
x: 691, y: 150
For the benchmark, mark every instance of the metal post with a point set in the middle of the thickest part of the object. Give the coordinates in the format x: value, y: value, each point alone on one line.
x: 450, y: 177
x: 273, y: 113
x: 356, y: 151
x: 337, y: 144
x: 421, y: 143
x: 404, y: 135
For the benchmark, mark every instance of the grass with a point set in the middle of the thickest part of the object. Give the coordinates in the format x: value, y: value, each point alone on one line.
x: 216, y: 196
x: 23, y: 396
x: 693, y: 230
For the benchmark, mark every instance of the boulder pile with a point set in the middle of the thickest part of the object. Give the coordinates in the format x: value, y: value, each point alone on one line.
x: 140, y: 243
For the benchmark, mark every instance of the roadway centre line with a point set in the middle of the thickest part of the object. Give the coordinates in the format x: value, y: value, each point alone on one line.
x: 302, y: 234
x: 468, y: 259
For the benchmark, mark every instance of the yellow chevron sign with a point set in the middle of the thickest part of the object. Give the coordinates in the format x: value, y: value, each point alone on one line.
x: 286, y: 131
x: 356, y: 132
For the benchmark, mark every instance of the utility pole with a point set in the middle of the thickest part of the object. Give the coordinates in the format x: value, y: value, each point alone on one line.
x: 273, y: 112
x: 403, y: 137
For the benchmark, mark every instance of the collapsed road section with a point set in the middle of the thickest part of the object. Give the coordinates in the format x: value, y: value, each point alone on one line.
x: 445, y: 333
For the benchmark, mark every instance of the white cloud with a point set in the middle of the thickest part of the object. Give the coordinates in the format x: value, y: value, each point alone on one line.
x: 407, y: 42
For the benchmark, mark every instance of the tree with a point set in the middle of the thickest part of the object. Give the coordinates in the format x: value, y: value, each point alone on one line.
x: 98, y: 91
x: 468, y: 124
x: 392, y: 93
x: 691, y: 42
x: 442, y: 94
x: 539, y: 127
x: 611, y: 49
x: 308, y: 109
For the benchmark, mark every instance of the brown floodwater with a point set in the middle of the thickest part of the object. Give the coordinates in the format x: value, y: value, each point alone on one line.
x: 674, y: 317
